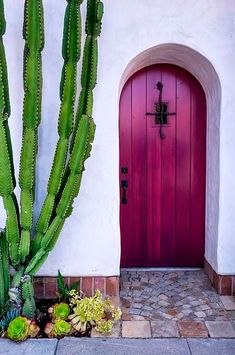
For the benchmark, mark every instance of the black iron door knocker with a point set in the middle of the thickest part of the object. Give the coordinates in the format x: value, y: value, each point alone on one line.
x: 161, y: 114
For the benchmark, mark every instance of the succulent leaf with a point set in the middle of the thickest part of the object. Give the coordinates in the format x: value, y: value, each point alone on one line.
x: 11, y: 314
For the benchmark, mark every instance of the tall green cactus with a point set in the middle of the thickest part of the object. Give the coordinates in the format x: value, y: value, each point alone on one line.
x: 20, y: 246
x: 34, y: 42
x: 7, y: 179
x: 71, y: 51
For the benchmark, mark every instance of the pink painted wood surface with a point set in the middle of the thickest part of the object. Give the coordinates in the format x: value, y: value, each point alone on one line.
x: 163, y: 222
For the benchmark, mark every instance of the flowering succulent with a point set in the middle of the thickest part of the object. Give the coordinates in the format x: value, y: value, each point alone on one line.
x: 96, y: 312
x: 21, y: 328
x: 59, y: 311
x: 74, y: 297
x: 104, y: 326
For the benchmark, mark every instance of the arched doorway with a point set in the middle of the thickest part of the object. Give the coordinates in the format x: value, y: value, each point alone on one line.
x: 162, y: 168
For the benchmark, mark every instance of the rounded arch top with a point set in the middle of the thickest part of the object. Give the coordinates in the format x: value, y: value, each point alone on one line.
x: 183, y: 56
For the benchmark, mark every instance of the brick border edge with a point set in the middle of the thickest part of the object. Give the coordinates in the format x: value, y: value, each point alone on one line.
x: 45, y: 287
x: 224, y: 284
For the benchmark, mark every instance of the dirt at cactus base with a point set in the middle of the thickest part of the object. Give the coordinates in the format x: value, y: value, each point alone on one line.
x: 42, y: 318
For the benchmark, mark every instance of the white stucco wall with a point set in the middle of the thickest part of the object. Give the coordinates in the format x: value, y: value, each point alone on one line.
x: 90, y: 242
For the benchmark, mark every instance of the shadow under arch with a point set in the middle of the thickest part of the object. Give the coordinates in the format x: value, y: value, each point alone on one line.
x: 202, y: 69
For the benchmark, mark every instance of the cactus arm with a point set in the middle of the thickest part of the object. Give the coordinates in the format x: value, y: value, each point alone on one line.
x: 89, y: 64
x: 2, y: 19
x: 2, y: 281
x: 71, y: 51
x: 29, y: 306
x: 34, y: 42
x: 7, y: 179
x: 82, y: 139
x: 4, y: 270
x: 82, y: 147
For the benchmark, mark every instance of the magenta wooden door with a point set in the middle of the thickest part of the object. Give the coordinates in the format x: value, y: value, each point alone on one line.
x: 162, y: 180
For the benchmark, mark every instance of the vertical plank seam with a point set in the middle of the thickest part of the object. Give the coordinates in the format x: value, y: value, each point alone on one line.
x: 132, y: 187
x: 146, y: 174
x: 176, y: 132
x: 190, y: 196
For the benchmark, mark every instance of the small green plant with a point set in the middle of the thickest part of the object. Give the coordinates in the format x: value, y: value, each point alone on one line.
x: 58, y: 329
x: 22, y: 328
x: 59, y: 311
x: 64, y: 289
x: 10, y: 315
x: 62, y: 328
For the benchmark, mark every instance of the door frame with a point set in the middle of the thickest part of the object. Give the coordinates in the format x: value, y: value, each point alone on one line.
x: 201, y: 68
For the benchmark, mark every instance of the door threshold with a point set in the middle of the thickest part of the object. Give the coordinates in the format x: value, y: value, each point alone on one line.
x: 161, y: 269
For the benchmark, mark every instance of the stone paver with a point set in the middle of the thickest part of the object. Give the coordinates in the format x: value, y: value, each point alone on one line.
x: 75, y: 346
x: 220, y: 329
x: 192, y: 329
x: 136, y: 329
x: 29, y: 347
x: 164, y: 329
x: 228, y: 302
x: 212, y: 346
x: 115, y: 333
x: 170, y: 295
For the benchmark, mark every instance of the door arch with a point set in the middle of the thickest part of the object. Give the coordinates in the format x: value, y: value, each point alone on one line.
x: 162, y: 181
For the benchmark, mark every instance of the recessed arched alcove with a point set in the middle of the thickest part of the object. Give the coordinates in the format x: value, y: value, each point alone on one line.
x: 202, y: 69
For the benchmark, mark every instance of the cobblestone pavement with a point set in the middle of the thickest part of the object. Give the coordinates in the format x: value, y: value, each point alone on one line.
x: 177, y: 296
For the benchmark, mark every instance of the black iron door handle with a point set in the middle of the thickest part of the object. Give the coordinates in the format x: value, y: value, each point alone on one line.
x: 124, y: 186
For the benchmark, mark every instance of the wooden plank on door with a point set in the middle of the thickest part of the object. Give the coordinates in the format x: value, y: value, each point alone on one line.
x: 198, y: 174
x: 125, y: 161
x: 168, y: 168
x: 139, y: 187
x: 153, y: 171
x: 182, y: 257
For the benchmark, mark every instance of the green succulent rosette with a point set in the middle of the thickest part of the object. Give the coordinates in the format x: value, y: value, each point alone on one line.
x: 62, y: 328
x: 60, y: 311
x: 18, y: 329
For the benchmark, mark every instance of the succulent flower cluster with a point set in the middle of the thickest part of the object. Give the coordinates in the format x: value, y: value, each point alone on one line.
x: 95, y: 311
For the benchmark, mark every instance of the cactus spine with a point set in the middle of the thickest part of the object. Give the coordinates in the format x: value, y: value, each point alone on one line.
x: 18, y: 247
